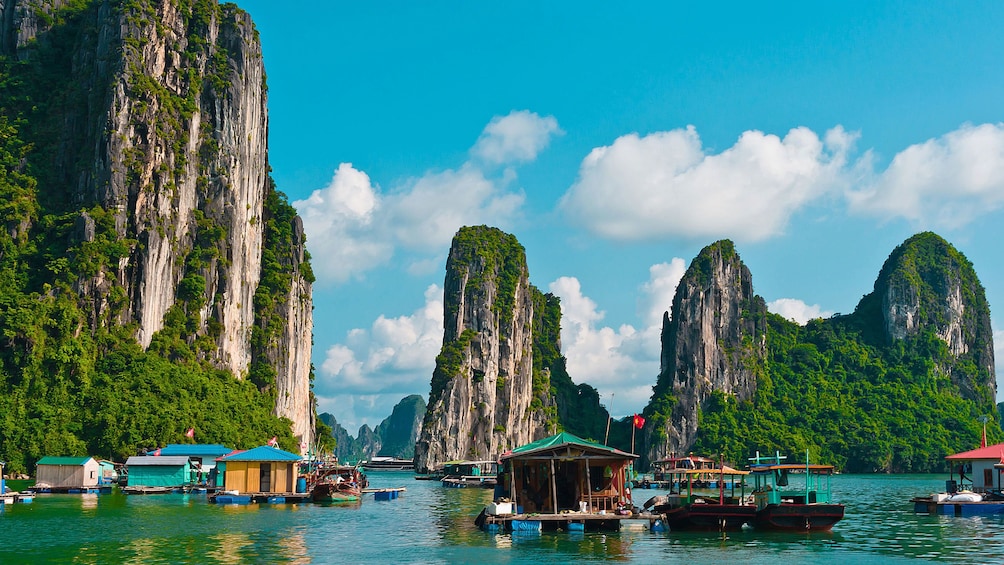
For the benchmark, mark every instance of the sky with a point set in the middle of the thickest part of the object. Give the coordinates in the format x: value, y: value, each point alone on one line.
x: 615, y: 140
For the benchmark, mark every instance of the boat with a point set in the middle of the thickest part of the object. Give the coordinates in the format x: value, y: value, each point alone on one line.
x: 690, y: 509
x: 334, y: 483
x: 804, y: 506
x: 462, y: 474
x: 381, y: 463
x: 974, y: 494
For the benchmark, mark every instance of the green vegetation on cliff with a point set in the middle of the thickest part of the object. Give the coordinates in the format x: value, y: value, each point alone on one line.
x: 68, y: 387
x: 855, y: 398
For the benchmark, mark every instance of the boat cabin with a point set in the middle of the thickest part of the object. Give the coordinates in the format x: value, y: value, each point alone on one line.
x: 565, y: 472
x: 775, y: 482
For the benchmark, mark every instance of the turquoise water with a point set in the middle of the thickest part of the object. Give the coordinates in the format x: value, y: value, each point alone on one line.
x: 431, y: 524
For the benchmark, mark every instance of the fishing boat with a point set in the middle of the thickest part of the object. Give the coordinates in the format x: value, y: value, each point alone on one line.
x: 974, y: 494
x: 334, y: 483
x: 462, y: 474
x: 695, y: 507
x: 804, y: 506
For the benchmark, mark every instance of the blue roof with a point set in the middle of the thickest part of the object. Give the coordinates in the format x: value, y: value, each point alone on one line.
x: 197, y: 449
x: 262, y: 453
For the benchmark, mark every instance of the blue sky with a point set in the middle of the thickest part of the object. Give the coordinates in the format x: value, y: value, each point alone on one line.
x: 615, y: 140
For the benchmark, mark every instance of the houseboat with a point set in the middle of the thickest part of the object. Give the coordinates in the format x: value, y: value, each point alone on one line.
x: 462, y: 474
x: 74, y: 475
x: 973, y: 487
x: 803, y: 506
x: 561, y: 482
x: 262, y: 474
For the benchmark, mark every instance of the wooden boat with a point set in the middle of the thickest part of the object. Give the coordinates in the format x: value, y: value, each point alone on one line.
x: 462, y: 474
x: 688, y: 510
x: 802, y: 507
x: 333, y: 483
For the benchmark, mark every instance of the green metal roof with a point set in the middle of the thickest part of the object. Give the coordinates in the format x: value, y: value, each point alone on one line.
x: 262, y: 453
x: 564, y: 439
x: 50, y: 460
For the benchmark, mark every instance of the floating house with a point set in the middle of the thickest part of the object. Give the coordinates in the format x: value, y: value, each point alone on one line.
x: 262, y: 474
x: 203, y: 457
x: 68, y: 474
x: 978, y: 469
x: 158, y: 473
x: 561, y: 482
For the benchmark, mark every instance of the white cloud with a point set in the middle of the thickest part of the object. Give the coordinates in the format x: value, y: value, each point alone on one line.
x: 944, y: 182
x: 394, y: 356
x: 656, y: 297
x: 427, y: 213
x: 664, y: 184
x: 520, y: 136
x: 353, y: 226
x: 621, y: 363
x: 340, y: 223
x: 797, y: 311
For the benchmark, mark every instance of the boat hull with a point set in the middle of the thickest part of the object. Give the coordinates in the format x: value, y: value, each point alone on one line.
x: 330, y: 493
x: 708, y: 517
x: 798, y: 517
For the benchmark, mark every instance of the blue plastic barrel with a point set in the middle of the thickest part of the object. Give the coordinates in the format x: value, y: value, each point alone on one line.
x: 301, y: 484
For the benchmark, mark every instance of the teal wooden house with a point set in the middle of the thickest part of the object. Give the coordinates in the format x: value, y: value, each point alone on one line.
x: 172, y: 471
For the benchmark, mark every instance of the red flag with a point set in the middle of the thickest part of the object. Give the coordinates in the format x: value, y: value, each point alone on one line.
x: 639, y: 422
x: 274, y: 442
x: 190, y: 432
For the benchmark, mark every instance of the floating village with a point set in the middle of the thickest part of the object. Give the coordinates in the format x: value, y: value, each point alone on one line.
x: 558, y: 483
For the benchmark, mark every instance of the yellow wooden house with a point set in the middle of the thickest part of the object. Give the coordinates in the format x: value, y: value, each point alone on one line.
x: 264, y: 469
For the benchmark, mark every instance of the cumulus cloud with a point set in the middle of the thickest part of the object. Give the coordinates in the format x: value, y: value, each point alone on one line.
x: 620, y: 363
x: 520, y: 136
x: 665, y: 184
x: 340, y: 223
x: 353, y: 225
x: 943, y: 182
x: 394, y: 356
x: 797, y: 310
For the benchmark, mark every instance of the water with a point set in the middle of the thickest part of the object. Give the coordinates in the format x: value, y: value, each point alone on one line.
x: 432, y: 524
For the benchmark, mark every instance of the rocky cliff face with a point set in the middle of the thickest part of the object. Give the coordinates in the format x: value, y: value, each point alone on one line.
x: 161, y: 109
x: 484, y: 398
x: 395, y: 436
x: 715, y: 340
x: 927, y: 283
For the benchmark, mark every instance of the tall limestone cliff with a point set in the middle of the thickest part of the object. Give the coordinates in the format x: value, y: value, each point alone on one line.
x: 714, y: 340
x: 927, y: 283
x: 897, y: 385
x: 486, y: 397
x: 150, y: 124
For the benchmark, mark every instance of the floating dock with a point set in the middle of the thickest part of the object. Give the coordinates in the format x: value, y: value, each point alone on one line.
x: 103, y: 489
x: 223, y: 497
x: 570, y: 522
x: 16, y: 497
x: 384, y: 493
